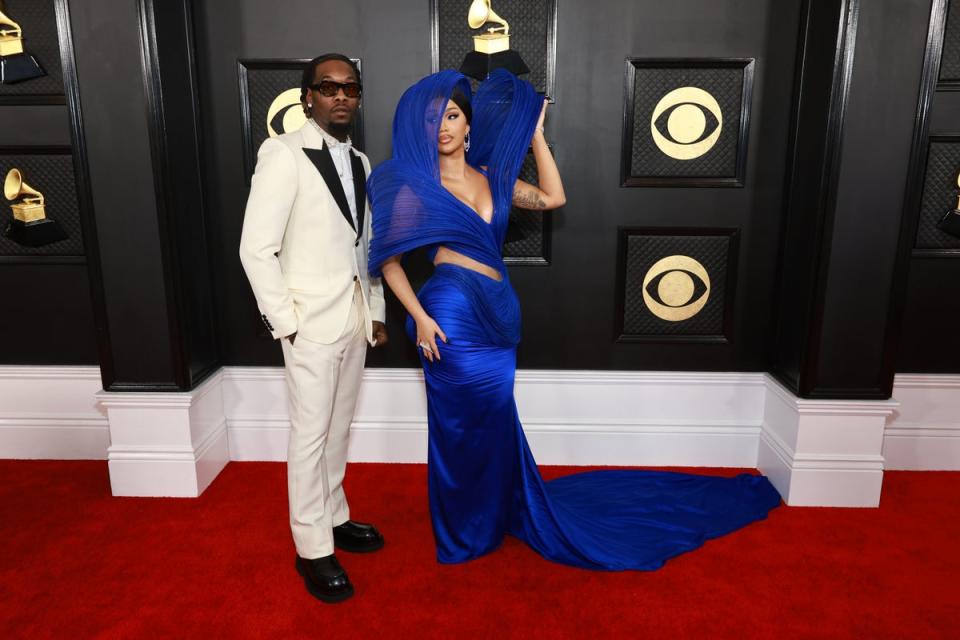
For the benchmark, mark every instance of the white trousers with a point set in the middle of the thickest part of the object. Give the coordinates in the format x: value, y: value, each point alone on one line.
x: 322, y: 382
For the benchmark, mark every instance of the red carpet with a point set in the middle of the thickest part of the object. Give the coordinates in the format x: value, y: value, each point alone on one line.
x: 76, y: 562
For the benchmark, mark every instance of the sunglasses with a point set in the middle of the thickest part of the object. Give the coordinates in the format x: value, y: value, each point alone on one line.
x: 329, y: 88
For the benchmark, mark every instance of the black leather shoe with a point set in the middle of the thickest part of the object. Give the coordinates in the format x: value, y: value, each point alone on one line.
x: 357, y: 537
x: 325, y: 578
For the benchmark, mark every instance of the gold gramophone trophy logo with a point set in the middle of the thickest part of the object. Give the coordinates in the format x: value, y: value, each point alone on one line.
x: 491, y: 49
x: 950, y: 222
x: 15, y: 64
x: 30, y: 226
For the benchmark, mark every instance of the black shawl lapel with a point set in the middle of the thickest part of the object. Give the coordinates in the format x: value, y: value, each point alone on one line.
x: 360, y: 189
x: 323, y: 161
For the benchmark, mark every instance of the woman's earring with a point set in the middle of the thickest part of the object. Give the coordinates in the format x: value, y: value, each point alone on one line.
x: 466, y: 143
x: 309, y: 105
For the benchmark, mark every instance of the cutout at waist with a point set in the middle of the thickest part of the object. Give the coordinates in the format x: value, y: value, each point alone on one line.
x: 449, y: 256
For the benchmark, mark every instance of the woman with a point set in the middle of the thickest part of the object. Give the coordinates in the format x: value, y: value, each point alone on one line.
x: 449, y: 187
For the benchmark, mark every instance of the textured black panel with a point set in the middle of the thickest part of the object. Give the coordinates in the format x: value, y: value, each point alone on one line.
x: 528, y: 234
x: 38, y: 20
x: 576, y: 294
x: 52, y: 175
x: 950, y: 62
x: 652, y: 84
x: 639, y: 252
x: 530, y: 28
x: 939, y: 195
x: 260, y: 83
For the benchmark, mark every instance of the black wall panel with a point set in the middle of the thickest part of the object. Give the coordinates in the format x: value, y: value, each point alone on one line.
x: 48, y: 314
x: 568, y: 305
x: 115, y: 110
x: 175, y: 140
x: 674, y: 285
x: 532, y: 26
x: 38, y: 21
x: 871, y: 186
x: 147, y: 188
x: 950, y: 64
x: 723, y: 95
x: 48, y: 170
x: 939, y: 194
x: 931, y: 290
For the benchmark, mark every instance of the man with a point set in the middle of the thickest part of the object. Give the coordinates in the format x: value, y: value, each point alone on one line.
x: 304, y: 250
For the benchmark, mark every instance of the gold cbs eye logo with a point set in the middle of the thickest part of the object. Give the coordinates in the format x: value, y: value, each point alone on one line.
x: 686, y: 123
x: 676, y: 288
x: 285, y: 113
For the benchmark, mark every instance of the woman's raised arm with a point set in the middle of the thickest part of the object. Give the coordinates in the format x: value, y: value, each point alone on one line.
x: 549, y: 195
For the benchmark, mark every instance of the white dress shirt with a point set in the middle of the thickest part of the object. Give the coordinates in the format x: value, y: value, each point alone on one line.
x: 340, y: 152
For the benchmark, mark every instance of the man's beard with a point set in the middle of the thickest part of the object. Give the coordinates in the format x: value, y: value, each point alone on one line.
x: 338, y: 129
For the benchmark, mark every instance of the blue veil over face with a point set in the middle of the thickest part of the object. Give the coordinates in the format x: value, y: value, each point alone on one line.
x: 411, y: 208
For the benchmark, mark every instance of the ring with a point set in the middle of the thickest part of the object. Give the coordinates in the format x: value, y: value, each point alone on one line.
x: 424, y: 345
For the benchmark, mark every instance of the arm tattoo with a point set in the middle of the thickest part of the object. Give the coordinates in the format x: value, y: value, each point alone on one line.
x: 528, y: 199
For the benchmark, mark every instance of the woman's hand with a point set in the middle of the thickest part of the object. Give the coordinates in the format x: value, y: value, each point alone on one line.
x: 543, y: 114
x: 427, y: 329
x: 427, y: 332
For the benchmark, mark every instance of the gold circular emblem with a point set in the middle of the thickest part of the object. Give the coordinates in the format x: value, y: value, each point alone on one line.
x: 676, y: 288
x: 686, y: 123
x: 285, y: 113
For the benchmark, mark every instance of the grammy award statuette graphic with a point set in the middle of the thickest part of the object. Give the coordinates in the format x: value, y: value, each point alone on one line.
x: 950, y: 222
x: 491, y: 49
x: 30, y: 226
x: 15, y: 64
x: 676, y: 288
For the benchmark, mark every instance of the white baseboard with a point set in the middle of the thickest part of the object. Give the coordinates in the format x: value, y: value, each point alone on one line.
x: 823, y: 452
x: 51, y: 413
x: 166, y: 444
x: 569, y: 417
x: 924, y: 433
x: 816, y: 452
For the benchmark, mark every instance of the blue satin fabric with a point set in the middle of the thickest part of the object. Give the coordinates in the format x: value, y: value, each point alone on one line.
x: 483, y: 480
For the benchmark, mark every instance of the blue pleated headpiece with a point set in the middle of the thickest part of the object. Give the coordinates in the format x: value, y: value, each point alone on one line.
x: 411, y: 208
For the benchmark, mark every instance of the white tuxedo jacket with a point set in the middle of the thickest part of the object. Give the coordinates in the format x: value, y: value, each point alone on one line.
x: 299, y: 247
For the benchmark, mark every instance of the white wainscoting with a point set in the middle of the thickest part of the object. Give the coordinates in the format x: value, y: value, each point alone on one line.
x: 823, y: 452
x: 166, y: 444
x: 924, y: 433
x: 816, y: 452
x: 52, y: 413
x: 570, y: 417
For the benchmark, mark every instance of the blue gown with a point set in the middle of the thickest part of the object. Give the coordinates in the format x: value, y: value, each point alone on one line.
x: 483, y: 480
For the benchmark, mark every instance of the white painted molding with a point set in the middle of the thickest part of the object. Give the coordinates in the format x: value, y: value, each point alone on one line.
x: 570, y: 417
x: 924, y: 432
x: 51, y: 413
x: 166, y: 443
x: 823, y: 452
x: 816, y: 451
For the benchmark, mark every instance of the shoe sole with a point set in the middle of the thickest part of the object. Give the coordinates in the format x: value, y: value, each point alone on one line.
x: 323, y: 597
x: 358, y: 548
